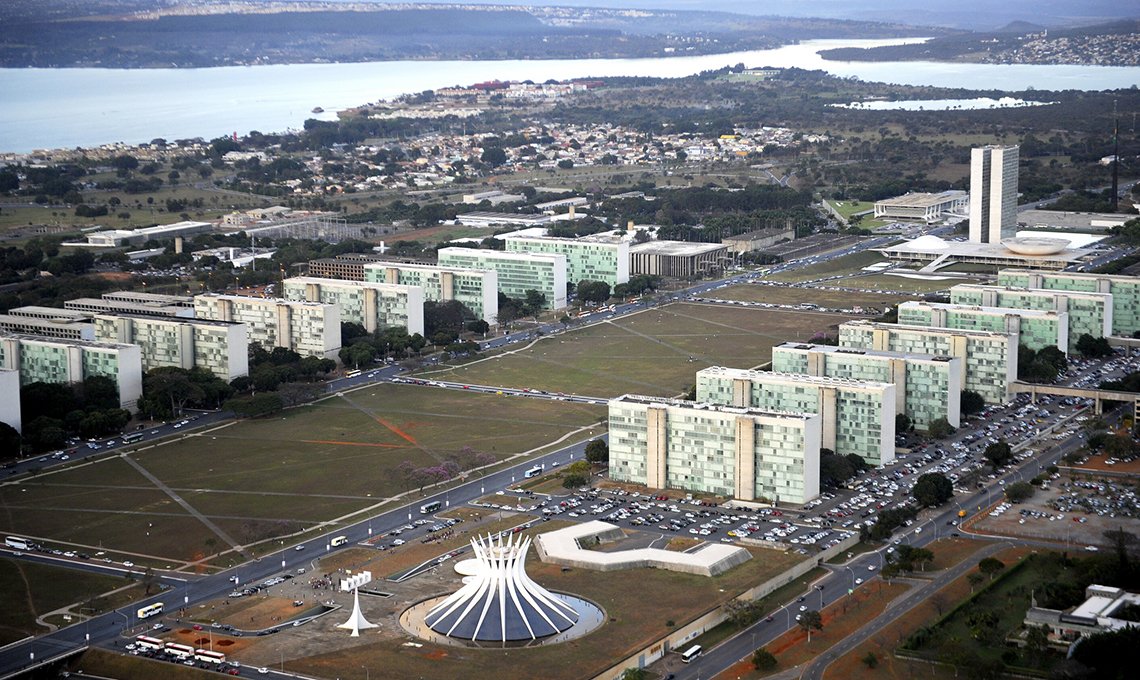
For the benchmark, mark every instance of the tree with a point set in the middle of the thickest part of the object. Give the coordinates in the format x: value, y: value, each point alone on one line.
x: 1018, y: 492
x: 1093, y: 347
x: 971, y: 402
x: 763, y: 660
x: 990, y: 566
x: 902, y: 423
x: 922, y: 556
x: 574, y: 481
x: 597, y: 451
x: 974, y: 579
x: 998, y: 454
x: 494, y: 156
x: 360, y: 353
x: 834, y: 470
x: 933, y: 489
x: 1121, y: 540
x: 870, y: 660
x: 940, y: 428
x: 150, y: 580
x: 593, y: 291
x: 163, y: 386
x: 811, y: 620
x: 479, y: 326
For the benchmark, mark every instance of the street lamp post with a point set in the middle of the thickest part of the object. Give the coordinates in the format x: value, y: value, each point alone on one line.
x: 852, y: 577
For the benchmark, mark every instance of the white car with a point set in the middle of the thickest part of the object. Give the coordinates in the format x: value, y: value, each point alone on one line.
x: 128, y: 564
x: 263, y: 670
x: 871, y: 567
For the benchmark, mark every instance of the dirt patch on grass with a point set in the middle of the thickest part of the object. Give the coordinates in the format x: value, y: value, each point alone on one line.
x: 248, y: 613
x: 682, y: 544
x: 951, y: 551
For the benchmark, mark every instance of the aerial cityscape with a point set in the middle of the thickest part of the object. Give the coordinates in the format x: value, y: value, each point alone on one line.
x: 803, y: 347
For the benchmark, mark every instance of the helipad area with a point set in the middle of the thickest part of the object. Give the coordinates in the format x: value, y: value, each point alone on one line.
x: 564, y: 547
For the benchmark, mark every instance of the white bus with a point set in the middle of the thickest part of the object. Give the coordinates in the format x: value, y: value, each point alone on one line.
x: 178, y: 651
x: 428, y: 508
x: 17, y: 542
x: 339, y: 540
x: 353, y: 373
x: 150, y: 610
x: 691, y: 653
x: 149, y: 643
x: 533, y: 472
x: 208, y: 656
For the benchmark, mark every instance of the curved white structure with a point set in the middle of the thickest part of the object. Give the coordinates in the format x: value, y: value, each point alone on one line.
x: 501, y: 603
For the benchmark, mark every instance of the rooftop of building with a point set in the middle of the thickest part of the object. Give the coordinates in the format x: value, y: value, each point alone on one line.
x: 676, y: 248
x: 264, y: 301
x: 168, y: 319
x: 981, y: 287
x: 53, y: 312
x: 128, y: 305
x: 57, y: 322
x: 923, y: 200
x: 932, y: 247
x: 44, y: 340
x: 949, y: 306
x: 424, y: 266
x: 758, y: 233
x: 863, y: 323
x: 501, y: 254
x: 595, y: 238
x: 833, y: 349
x: 797, y: 378
x: 715, y: 408
x: 345, y: 282
x: 157, y: 298
x: 1090, y: 276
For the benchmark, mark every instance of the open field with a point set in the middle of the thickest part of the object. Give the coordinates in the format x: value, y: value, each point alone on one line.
x: 262, y: 478
x: 655, y: 352
x: 633, y: 622
x: 100, y: 663
x: 29, y: 590
x: 841, y: 266
x: 786, y: 295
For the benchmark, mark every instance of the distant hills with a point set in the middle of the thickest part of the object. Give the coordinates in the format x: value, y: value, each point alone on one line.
x: 1019, y: 42
x: 148, y: 34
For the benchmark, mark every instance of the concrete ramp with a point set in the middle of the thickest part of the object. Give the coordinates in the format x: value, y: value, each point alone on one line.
x: 565, y: 547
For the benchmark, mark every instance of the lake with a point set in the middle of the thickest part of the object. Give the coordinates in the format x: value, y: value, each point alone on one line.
x: 85, y: 107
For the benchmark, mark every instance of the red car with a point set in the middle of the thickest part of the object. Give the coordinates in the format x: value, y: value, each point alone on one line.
x: 197, y: 627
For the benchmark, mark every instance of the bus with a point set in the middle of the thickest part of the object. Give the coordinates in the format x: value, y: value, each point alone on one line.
x: 17, y: 543
x: 178, y: 651
x: 339, y: 540
x: 150, y: 610
x: 533, y: 472
x: 353, y: 373
x: 208, y: 656
x: 428, y: 508
x: 132, y: 438
x: 148, y: 643
x: 691, y: 653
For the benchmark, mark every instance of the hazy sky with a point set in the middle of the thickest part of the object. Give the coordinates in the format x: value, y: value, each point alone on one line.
x: 972, y: 14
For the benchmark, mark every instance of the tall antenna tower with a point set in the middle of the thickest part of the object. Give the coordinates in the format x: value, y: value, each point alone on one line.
x: 1115, y: 158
